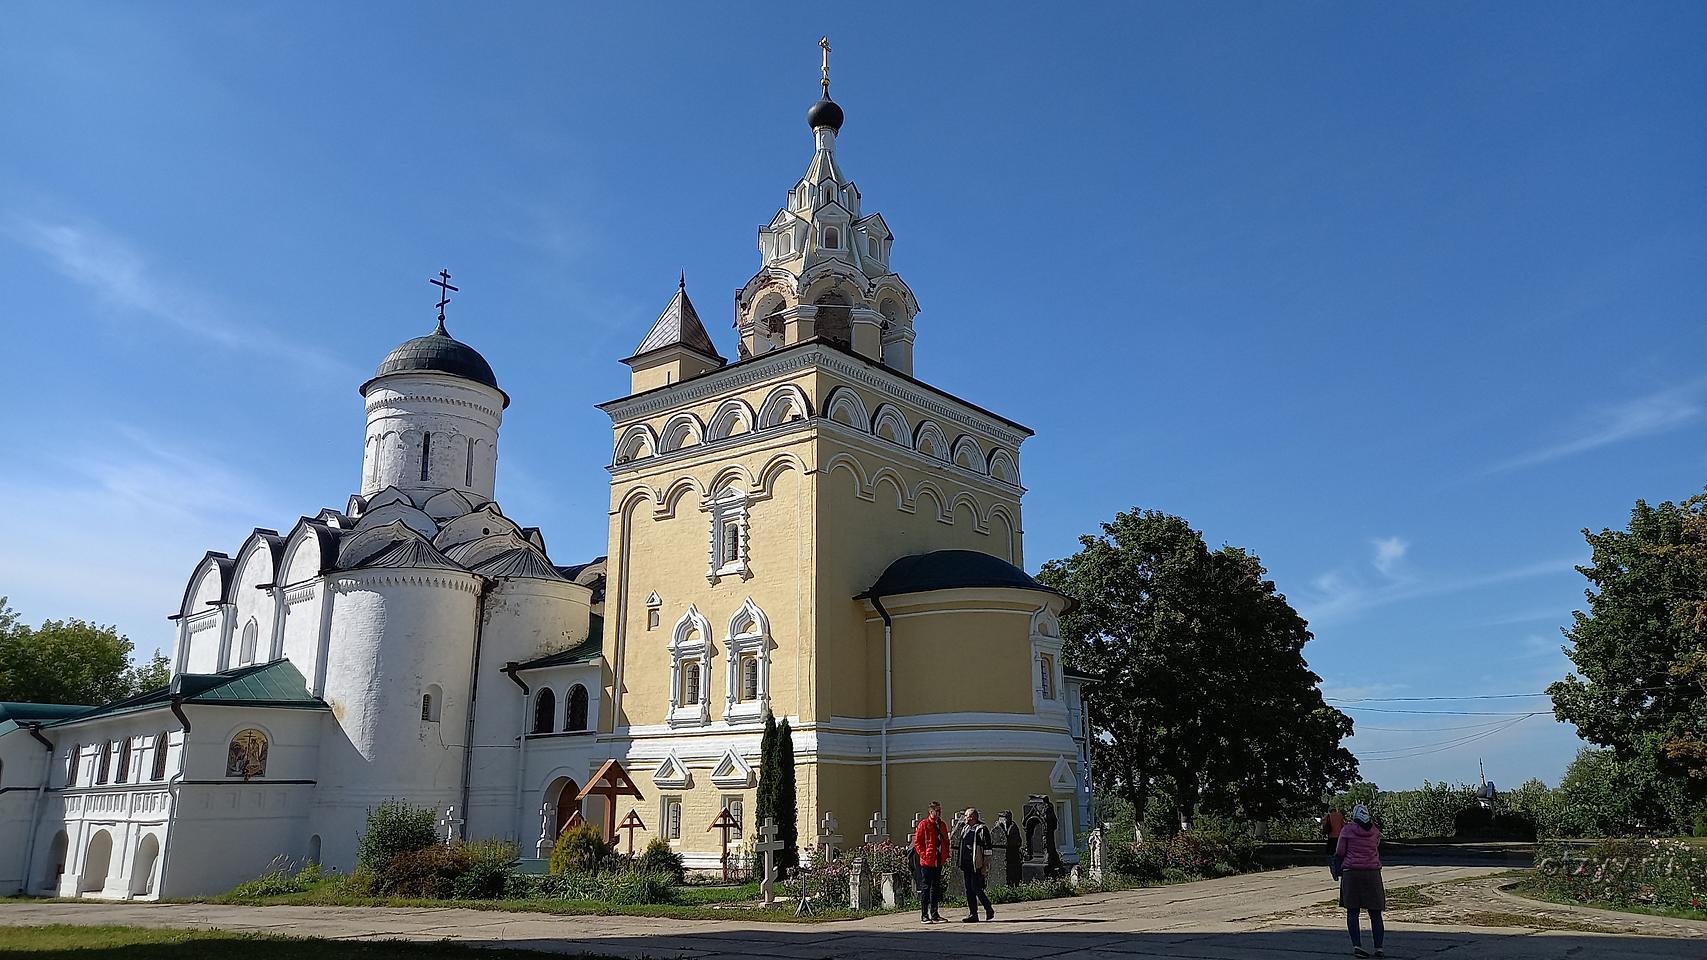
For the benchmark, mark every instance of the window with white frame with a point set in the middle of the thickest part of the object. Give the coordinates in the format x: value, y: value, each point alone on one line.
x: 654, y: 604
x: 729, y: 542
x: 1046, y: 661
x: 1046, y: 676
x: 670, y: 818
x: 690, y: 666
x: 748, y: 647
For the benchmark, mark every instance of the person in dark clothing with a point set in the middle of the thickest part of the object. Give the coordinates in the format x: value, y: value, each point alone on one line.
x: 975, y: 865
x: 930, y: 845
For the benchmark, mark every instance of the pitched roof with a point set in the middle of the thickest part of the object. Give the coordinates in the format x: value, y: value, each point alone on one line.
x: 523, y: 562
x: 413, y: 553
x: 582, y: 652
x: 277, y: 684
x: 679, y: 326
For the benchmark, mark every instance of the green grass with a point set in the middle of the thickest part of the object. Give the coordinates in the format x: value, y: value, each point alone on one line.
x: 1532, y: 892
x: 68, y: 942
x: 1409, y: 898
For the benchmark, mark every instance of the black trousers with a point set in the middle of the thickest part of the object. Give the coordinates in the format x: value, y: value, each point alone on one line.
x: 975, y: 891
x: 930, y: 891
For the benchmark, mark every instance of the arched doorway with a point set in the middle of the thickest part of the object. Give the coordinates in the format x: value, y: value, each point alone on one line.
x: 56, y: 861
x: 142, y: 873
x: 561, y: 802
x: 97, y: 859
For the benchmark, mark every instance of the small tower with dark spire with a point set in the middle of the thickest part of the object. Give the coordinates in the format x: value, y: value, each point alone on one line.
x: 677, y: 348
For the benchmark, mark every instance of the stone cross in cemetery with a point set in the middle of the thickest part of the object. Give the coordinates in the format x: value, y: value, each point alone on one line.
x: 828, y: 838
x: 451, y: 824
x: 879, y: 828
x: 631, y: 823
x: 724, y: 821
x: 768, y: 847
x: 547, y: 820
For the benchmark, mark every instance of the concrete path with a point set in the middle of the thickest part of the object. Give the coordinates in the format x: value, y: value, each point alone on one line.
x: 1264, y: 915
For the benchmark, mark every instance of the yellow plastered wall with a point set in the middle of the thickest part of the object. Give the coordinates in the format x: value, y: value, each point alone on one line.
x: 991, y: 785
x: 965, y: 657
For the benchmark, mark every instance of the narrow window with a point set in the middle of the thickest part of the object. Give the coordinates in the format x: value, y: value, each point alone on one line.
x: 468, y: 465
x: 544, y: 711
x: 577, y: 718
x: 103, y: 760
x: 749, y: 677
x: 731, y: 541
x: 124, y: 761
x: 251, y: 636
x: 736, y: 807
x: 426, y: 706
x: 652, y: 619
x: 672, y: 818
x: 1046, y: 676
x: 432, y: 700
x: 690, y: 684
x: 426, y: 453
x: 159, y: 771
x: 832, y: 238
x: 72, y: 761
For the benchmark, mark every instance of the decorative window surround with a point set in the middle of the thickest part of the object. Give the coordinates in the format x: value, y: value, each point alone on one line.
x: 729, y: 540
x: 1046, y: 654
x: 690, y: 644
x: 749, y: 636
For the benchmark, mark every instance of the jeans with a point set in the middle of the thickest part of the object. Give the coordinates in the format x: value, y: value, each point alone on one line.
x: 975, y: 892
x: 1374, y: 927
x: 930, y: 890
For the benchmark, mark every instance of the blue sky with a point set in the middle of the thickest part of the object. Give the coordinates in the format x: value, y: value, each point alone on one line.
x: 1397, y: 296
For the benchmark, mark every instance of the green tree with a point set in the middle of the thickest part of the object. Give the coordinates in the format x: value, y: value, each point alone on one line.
x: 786, y: 801
x: 1202, y: 690
x: 1640, y: 651
x: 69, y: 661
x: 764, y: 799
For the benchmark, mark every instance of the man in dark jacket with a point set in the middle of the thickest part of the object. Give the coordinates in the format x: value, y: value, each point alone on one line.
x: 975, y: 865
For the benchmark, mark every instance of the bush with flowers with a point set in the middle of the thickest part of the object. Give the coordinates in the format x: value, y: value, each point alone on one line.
x: 1651, y: 874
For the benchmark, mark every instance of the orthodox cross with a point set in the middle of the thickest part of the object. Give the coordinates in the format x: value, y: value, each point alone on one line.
x: 610, y: 783
x: 451, y: 823
x: 546, y: 821
x: 828, y: 838
x: 725, y: 821
x: 631, y: 823
x: 768, y: 847
x: 445, y: 290
x: 825, y: 43
x: 879, y: 829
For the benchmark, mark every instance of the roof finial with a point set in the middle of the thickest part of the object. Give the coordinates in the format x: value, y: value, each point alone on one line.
x: 445, y: 290
x: 825, y: 43
x: 682, y: 281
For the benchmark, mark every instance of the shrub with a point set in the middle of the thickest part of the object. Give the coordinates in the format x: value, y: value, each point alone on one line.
x: 1664, y: 874
x: 394, y: 827
x: 659, y: 858
x: 625, y: 887
x: 581, y: 849
x: 282, y: 878
x: 488, y: 868
x: 430, y: 873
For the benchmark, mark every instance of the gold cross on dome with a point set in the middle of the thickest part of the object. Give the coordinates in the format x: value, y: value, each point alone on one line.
x: 825, y: 43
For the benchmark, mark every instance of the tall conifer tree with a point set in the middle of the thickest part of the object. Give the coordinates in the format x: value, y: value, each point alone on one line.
x: 764, y: 801
x: 787, y: 810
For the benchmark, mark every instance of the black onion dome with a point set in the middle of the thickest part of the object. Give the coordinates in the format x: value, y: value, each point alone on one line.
x: 824, y: 113
x: 438, y: 352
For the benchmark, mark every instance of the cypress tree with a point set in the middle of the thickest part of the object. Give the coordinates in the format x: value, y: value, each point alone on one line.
x: 787, y: 809
x: 764, y: 801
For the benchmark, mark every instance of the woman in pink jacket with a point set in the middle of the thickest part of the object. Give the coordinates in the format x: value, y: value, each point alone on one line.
x: 1359, y: 850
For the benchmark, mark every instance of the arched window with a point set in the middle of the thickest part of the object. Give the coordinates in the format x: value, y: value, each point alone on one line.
x: 314, y: 849
x: 72, y: 760
x: 577, y: 718
x: 1046, y: 676
x: 246, y: 757
x: 544, y: 710
x: 749, y: 678
x: 431, y: 700
x: 251, y: 634
x: 124, y: 761
x: 426, y: 453
x: 103, y: 762
x: 159, y: 771
x: 834, y: 320
x: 832, y: 238
x: 691, y: 687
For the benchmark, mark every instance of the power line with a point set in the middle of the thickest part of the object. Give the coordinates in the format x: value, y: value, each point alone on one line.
x: 1423, y: 750
x: 1463, y: 726
x: 1443, y: 713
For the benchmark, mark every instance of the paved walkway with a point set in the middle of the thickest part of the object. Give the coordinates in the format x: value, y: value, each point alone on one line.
x: 1264, y: 915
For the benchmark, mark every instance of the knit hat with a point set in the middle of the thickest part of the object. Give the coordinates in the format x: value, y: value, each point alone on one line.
x: 1360, y: 813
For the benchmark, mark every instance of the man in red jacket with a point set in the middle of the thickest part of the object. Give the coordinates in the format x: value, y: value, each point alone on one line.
x: 930, y: 845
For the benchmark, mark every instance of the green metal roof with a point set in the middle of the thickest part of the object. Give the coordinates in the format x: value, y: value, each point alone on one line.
x: 581, y: 652
x: 277, y: 684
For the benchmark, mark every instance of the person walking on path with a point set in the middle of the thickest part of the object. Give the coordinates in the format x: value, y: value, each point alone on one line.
x: 975, y: 865
x: 930, y: 845
x: 1359, y: 850
x: 1333, y: 821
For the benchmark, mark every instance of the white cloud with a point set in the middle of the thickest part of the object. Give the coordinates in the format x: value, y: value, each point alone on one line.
x: 1337, y: 595
x: 1388, y: 552
x: 114, y: 271
x: 1611, y: 423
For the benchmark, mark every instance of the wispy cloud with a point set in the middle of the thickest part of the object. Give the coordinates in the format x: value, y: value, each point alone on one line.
x: 1338, y: 595
x: 1388, y: 552
x: 1616, y: 422
x: 113, y: 269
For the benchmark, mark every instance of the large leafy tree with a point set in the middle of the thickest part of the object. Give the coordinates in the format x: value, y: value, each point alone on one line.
x: 1202, y: 691
x: 69, y: 661
x: 1640, y: 651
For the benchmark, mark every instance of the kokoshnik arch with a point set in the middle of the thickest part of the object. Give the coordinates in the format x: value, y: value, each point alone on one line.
x: 809, y: 531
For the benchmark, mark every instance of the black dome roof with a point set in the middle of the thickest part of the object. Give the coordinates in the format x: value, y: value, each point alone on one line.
x: 950, y: 570
x: 438, y: 352
x: 824, y: 113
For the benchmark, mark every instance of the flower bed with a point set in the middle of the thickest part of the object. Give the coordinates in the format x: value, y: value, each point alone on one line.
x: 1650, y: 874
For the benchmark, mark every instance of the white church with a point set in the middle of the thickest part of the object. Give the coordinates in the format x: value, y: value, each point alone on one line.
x: 421, y: 644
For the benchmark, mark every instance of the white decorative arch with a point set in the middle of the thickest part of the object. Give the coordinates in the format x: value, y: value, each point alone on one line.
x: 927, y: 489
x: 1000, y: 520
x: 635, y: 443
x: 733, y: 416
x: 785, y: 403
x: 681, y: 430
x: 673, y: 494
x: 891, y: 424
x: 971, y: 504
x: 774, y: 469
x: 846, y: 407
x: 929, y: 440
x: 882, y: 475
x: 749, y: 637
x: 843, y: 461
x: 1002, y: 467
x: 969, y: 454
x: 690, y: 646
